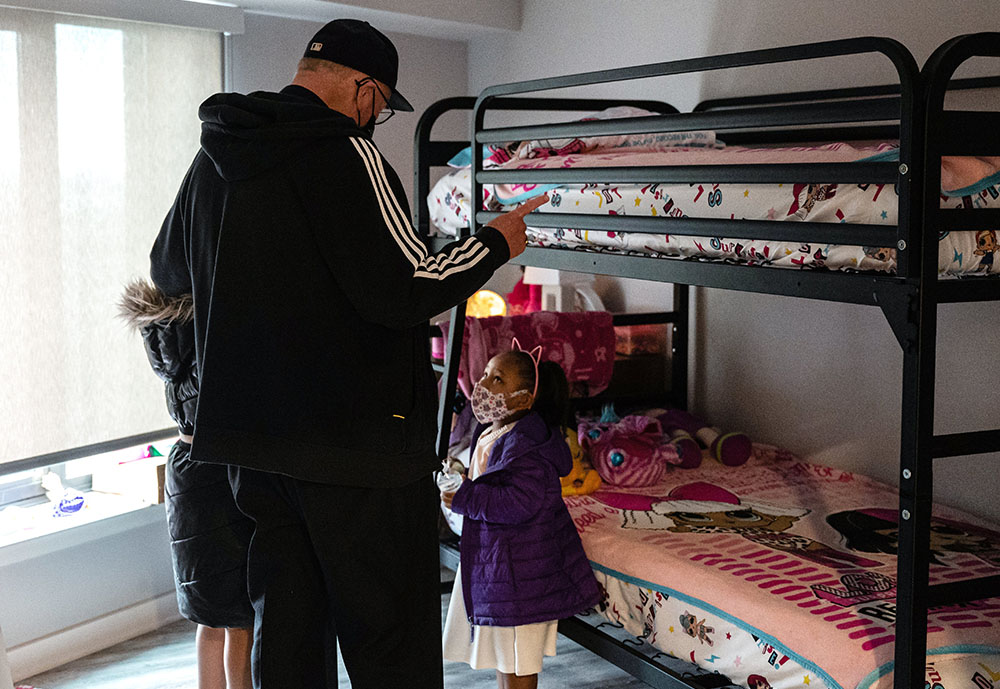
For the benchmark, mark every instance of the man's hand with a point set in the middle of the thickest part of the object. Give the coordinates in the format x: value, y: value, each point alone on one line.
x: 511, y: 224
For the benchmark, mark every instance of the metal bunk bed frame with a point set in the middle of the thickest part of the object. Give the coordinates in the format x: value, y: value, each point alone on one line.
x: 909, y: 299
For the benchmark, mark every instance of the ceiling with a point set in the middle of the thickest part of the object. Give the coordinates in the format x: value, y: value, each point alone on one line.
x: 455, y: 19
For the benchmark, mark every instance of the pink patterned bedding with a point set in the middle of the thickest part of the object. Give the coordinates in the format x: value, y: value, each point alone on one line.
x: 783, y: 572
x: 974, y: 183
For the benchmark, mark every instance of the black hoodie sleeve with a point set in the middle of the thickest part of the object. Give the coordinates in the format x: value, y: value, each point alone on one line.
x: 168, y: 263
x: 362, y: 224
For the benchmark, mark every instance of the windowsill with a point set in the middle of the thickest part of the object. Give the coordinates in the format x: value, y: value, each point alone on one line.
x: 124, y: 482
x: 72, y: 536
x: 19, y: 524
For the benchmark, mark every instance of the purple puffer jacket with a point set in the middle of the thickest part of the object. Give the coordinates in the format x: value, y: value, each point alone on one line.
x: 522, y: 560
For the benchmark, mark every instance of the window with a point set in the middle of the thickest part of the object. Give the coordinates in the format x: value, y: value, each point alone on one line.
x: 98, y: 124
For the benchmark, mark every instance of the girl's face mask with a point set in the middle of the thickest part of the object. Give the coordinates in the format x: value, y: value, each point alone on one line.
x: 490, y: 406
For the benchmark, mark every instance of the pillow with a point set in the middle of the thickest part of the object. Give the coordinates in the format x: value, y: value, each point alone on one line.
x: 497, y: 154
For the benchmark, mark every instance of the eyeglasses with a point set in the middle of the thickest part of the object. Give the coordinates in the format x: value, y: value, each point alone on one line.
x: 386, y: 113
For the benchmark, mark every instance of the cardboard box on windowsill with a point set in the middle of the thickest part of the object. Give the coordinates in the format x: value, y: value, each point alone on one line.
x: 142, y: 478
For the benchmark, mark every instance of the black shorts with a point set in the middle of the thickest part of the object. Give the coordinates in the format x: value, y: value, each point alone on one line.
x: 209, y: 538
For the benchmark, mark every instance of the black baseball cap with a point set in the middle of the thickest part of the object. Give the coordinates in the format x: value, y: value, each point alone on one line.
x: 359, y: 45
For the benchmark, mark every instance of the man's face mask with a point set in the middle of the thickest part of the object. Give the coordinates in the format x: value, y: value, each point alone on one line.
x: 369, y: 126
x: 376, y: 118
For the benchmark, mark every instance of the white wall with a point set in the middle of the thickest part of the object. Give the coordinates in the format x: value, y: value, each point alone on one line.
x: 820, y: 378
x: 448, y: 19
x: 264, y: 58
x: 74, y: 592
x: 502, y: 14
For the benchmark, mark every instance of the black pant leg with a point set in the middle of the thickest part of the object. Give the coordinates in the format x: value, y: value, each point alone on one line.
x: 292, y: 644
x: 378, y: 551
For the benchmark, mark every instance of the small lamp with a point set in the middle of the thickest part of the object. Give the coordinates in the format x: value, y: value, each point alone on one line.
x: 486, y: 303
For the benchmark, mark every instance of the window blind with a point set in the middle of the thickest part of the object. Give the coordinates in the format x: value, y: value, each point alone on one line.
x: 98, y: 124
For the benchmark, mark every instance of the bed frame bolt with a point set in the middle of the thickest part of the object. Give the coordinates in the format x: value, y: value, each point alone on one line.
x: 907, y: 473
x: 901, y: 245
x: 903, y: 168
x: 906, y: 514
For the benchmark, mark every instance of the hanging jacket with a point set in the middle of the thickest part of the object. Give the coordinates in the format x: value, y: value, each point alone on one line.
x: 312, y: 293
x: 521, y: 557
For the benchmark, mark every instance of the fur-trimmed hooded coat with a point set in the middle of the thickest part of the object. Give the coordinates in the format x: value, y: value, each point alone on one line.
x: 167, y: 328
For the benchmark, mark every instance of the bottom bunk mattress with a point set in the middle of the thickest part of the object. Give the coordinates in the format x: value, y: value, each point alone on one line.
x: 781, y: 573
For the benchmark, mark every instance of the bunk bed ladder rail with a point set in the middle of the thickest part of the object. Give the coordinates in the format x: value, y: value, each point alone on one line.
x: 945, y: 133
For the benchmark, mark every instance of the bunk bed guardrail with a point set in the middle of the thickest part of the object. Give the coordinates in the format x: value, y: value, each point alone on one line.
x: 857, y: 289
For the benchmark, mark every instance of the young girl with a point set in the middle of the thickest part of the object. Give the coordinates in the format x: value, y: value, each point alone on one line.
x: 522, y: 564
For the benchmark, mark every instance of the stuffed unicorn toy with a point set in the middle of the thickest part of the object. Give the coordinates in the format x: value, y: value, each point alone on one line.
x: 629, y: 452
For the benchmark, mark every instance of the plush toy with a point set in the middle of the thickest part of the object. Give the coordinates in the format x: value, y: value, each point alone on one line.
x: 687, y: 447
x: 732, y: 449
x: 630, y: 452
x: 583, y: 479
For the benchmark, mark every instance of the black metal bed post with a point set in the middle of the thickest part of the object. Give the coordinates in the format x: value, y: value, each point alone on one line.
x: 919, y: 446
x: 912, y: 315
x: 427, y: 153
x: 679, y: 346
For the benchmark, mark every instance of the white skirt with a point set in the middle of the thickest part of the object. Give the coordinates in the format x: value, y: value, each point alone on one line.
x: 511, y: 650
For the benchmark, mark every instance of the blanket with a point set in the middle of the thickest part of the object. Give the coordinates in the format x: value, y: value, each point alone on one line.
x: 781, y: 554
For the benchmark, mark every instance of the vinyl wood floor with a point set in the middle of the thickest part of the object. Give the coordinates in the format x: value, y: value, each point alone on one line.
x: 165, y: 659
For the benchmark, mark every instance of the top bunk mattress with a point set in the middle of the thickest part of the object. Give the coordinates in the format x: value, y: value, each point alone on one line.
x: 969, y: 183
x: 783, y: 570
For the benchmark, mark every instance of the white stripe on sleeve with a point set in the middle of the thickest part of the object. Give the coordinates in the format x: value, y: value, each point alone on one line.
x: 400, y: 223
x: 439, y: 266
x: 414, y: 259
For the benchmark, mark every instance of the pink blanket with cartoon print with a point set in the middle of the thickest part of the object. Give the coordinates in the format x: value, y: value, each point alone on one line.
x: 803, y: 553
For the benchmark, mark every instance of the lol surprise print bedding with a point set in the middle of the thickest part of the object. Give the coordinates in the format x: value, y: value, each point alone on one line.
x: 781, y: 573
x: 970, y: 183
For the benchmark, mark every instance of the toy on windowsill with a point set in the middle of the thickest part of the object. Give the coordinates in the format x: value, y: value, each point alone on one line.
x: 732, y: 449
x: 631, y: 451
x: 583, y: 479
x: 65, y: 501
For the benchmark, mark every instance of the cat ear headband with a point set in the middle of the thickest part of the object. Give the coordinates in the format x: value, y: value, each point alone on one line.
x: 535, y: 355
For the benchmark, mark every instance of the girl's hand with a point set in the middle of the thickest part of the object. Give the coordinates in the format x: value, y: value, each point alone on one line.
x: 446, y: 498
x: 449, y: 481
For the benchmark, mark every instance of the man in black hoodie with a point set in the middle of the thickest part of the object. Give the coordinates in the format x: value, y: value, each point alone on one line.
x: 312, y: 293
